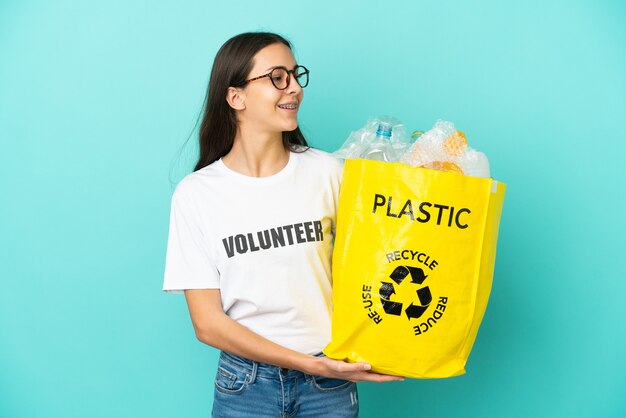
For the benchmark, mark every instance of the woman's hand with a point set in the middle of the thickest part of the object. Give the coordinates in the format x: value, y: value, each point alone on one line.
x: 215, y: 328
x: 356, y: 372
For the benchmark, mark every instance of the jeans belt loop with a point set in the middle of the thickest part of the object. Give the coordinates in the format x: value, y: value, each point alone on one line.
x: 253, y: 373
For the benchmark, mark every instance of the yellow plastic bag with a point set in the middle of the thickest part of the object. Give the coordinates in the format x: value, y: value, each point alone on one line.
x: 412, y: 267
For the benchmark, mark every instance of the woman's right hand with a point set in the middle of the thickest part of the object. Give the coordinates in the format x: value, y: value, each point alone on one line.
x: 356, y: 372
x: 215, y: 328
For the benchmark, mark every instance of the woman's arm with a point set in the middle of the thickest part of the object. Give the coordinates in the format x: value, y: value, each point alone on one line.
x: 215, y: 328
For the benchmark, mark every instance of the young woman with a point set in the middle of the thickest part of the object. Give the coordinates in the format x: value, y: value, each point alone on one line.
x: 250, y: 242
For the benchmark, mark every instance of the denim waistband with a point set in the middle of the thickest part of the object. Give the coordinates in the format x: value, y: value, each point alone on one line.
x: 256, y: 368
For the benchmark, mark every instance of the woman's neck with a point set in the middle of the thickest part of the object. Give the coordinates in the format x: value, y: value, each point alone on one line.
x: 257, y: 154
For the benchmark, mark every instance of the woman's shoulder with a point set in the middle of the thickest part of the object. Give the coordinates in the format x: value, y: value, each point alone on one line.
x: 320, y: 158
x: 198, y: 180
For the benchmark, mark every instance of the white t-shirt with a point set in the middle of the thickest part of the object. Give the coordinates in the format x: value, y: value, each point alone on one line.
x: 266, y: 243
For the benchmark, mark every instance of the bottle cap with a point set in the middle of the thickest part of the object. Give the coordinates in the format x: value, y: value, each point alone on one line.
x: 384, y: 130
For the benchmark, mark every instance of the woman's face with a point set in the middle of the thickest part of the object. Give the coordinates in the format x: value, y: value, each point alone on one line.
x: 264, y: 104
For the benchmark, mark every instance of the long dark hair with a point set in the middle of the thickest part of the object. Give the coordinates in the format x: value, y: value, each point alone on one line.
x: 231, y: 68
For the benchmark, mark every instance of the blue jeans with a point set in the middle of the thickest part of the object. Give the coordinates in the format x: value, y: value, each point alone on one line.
x: 246, y: 388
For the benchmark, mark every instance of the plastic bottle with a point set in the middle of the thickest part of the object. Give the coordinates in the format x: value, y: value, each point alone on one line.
x: 381, y: 148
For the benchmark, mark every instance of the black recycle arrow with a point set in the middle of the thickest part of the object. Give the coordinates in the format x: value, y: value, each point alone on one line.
x: 392, y: 308
x: 425, y: 297
x: 398, y: 275
x: 386, y: 290
x: 415, y: 311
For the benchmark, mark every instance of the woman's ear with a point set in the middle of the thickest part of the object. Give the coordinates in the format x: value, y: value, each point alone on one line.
x: 236, y: 98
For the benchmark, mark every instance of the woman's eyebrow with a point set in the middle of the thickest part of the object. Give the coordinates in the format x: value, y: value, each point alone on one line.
x: 276, y: 66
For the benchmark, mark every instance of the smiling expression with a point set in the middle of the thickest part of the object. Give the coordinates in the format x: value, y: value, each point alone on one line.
x: 268, y: 109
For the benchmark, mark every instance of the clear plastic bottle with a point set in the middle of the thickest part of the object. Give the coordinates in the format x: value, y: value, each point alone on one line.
x: 381, y: 148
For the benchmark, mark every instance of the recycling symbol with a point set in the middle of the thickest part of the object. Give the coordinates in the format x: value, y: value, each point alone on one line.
x: 423, y: 294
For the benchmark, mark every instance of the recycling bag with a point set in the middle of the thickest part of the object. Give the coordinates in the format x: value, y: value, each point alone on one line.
x: 412, y: 267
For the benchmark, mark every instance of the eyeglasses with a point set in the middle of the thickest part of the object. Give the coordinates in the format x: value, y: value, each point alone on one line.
x: 281, y: 76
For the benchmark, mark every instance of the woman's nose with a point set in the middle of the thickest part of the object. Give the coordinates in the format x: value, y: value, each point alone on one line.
x: 293, y: 86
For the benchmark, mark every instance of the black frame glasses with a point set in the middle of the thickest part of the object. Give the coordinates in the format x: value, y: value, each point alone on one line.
x: 298, y: 72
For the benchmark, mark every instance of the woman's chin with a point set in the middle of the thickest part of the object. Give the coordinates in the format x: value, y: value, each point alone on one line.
x: 288, y: 127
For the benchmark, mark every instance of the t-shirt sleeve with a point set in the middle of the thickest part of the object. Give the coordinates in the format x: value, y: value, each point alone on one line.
x: 188, y: 263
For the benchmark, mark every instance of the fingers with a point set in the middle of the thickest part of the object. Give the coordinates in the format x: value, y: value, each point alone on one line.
x: 374, y: 377
x: 345, y: 367
x: 358, y: 372
x: 354, y: 367
x: 381, y: 378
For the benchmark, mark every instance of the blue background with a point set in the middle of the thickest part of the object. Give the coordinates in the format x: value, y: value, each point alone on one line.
x: 98, y: 100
